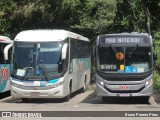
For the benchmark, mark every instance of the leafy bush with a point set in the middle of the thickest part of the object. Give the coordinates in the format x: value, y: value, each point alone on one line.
x: 156, y: 81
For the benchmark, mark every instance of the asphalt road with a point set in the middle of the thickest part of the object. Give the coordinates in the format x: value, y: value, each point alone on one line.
x: 87, y: 101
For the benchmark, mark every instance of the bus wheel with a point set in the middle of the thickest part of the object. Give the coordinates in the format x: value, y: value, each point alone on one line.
x: 67, y: 98
x: 84, y: 86
x: 25, y: 100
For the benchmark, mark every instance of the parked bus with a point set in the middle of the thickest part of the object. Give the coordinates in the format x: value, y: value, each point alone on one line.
x: 5, y: 59
x: 124, y: 65
x: 49, y: 64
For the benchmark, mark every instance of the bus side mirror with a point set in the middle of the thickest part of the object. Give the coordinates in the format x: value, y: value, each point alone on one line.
x: 64, y: 51
x: 154, y: 56
x: 6, y: 51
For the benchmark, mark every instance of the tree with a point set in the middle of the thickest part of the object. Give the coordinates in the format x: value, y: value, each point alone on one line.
x: 95, y: 17
x: 86, y: 17
x: 137, y: 15
x: 6, y: 16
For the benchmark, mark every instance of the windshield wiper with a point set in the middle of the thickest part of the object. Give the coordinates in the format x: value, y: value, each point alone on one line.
x: 133, y: 51
x: 16, y: 65
x: 27, y: 70
x: 42, y: 67
x: 115, y: 51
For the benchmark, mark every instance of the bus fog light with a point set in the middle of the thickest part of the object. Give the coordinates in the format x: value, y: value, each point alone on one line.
x: 14, y: 92
x: 148, y: 82
x: 56, y: 92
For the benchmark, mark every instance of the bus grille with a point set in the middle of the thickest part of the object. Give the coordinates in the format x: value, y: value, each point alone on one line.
x: 125, y: 91
x: 34, y: 88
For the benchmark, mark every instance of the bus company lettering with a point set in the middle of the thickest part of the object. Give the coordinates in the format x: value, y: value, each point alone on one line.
x: 4, y: 73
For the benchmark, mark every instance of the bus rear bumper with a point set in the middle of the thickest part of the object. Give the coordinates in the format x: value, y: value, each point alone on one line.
x: 102, y: 92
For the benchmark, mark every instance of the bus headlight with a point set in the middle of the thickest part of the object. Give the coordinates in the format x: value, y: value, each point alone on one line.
x: 57, y: 84
x: 148, y: 82
x: 15, y: 84
x: 100, y: 82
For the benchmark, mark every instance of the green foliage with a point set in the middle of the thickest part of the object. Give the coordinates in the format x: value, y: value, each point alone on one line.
x: 95, y: 17
x: 87, y: 17
x: 157, y: 49
x: 6, y: 16
x: 137, y: 15
x: 156, y: 81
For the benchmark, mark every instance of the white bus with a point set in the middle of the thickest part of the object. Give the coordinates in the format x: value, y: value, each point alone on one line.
x: 49, y: 64
x: 5, y: 58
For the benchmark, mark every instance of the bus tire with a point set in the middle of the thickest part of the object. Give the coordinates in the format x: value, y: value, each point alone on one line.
x: 25, y: 100
x: 67, y: 98
x: 84, y: 86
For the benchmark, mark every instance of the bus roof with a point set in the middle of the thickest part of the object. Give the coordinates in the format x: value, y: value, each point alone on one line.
x: 4, y: 39
x: 127, y: 34
x: 47, y: 35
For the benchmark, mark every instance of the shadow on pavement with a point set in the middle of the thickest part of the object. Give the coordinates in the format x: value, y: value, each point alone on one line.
x: 90, y: 99
x: 93, y: 99
x: 44, y: 100
x: 5, y: 94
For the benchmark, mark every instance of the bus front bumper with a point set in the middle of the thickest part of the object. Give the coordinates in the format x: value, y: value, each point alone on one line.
x: 50, y: 93
x: 102, y: 92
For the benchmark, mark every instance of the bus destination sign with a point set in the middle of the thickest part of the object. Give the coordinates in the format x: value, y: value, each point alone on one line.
x: 124, y: 40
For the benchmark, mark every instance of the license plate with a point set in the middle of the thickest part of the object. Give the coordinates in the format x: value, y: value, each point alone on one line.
x: 124, y: 95
x: 124, y: 87
x: 35, y: 83
x: 35, y: 93
x: 28, y: 84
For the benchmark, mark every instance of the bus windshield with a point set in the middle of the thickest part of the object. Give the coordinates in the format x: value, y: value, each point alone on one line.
x: 136, y: 59
x: 37, y: 59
